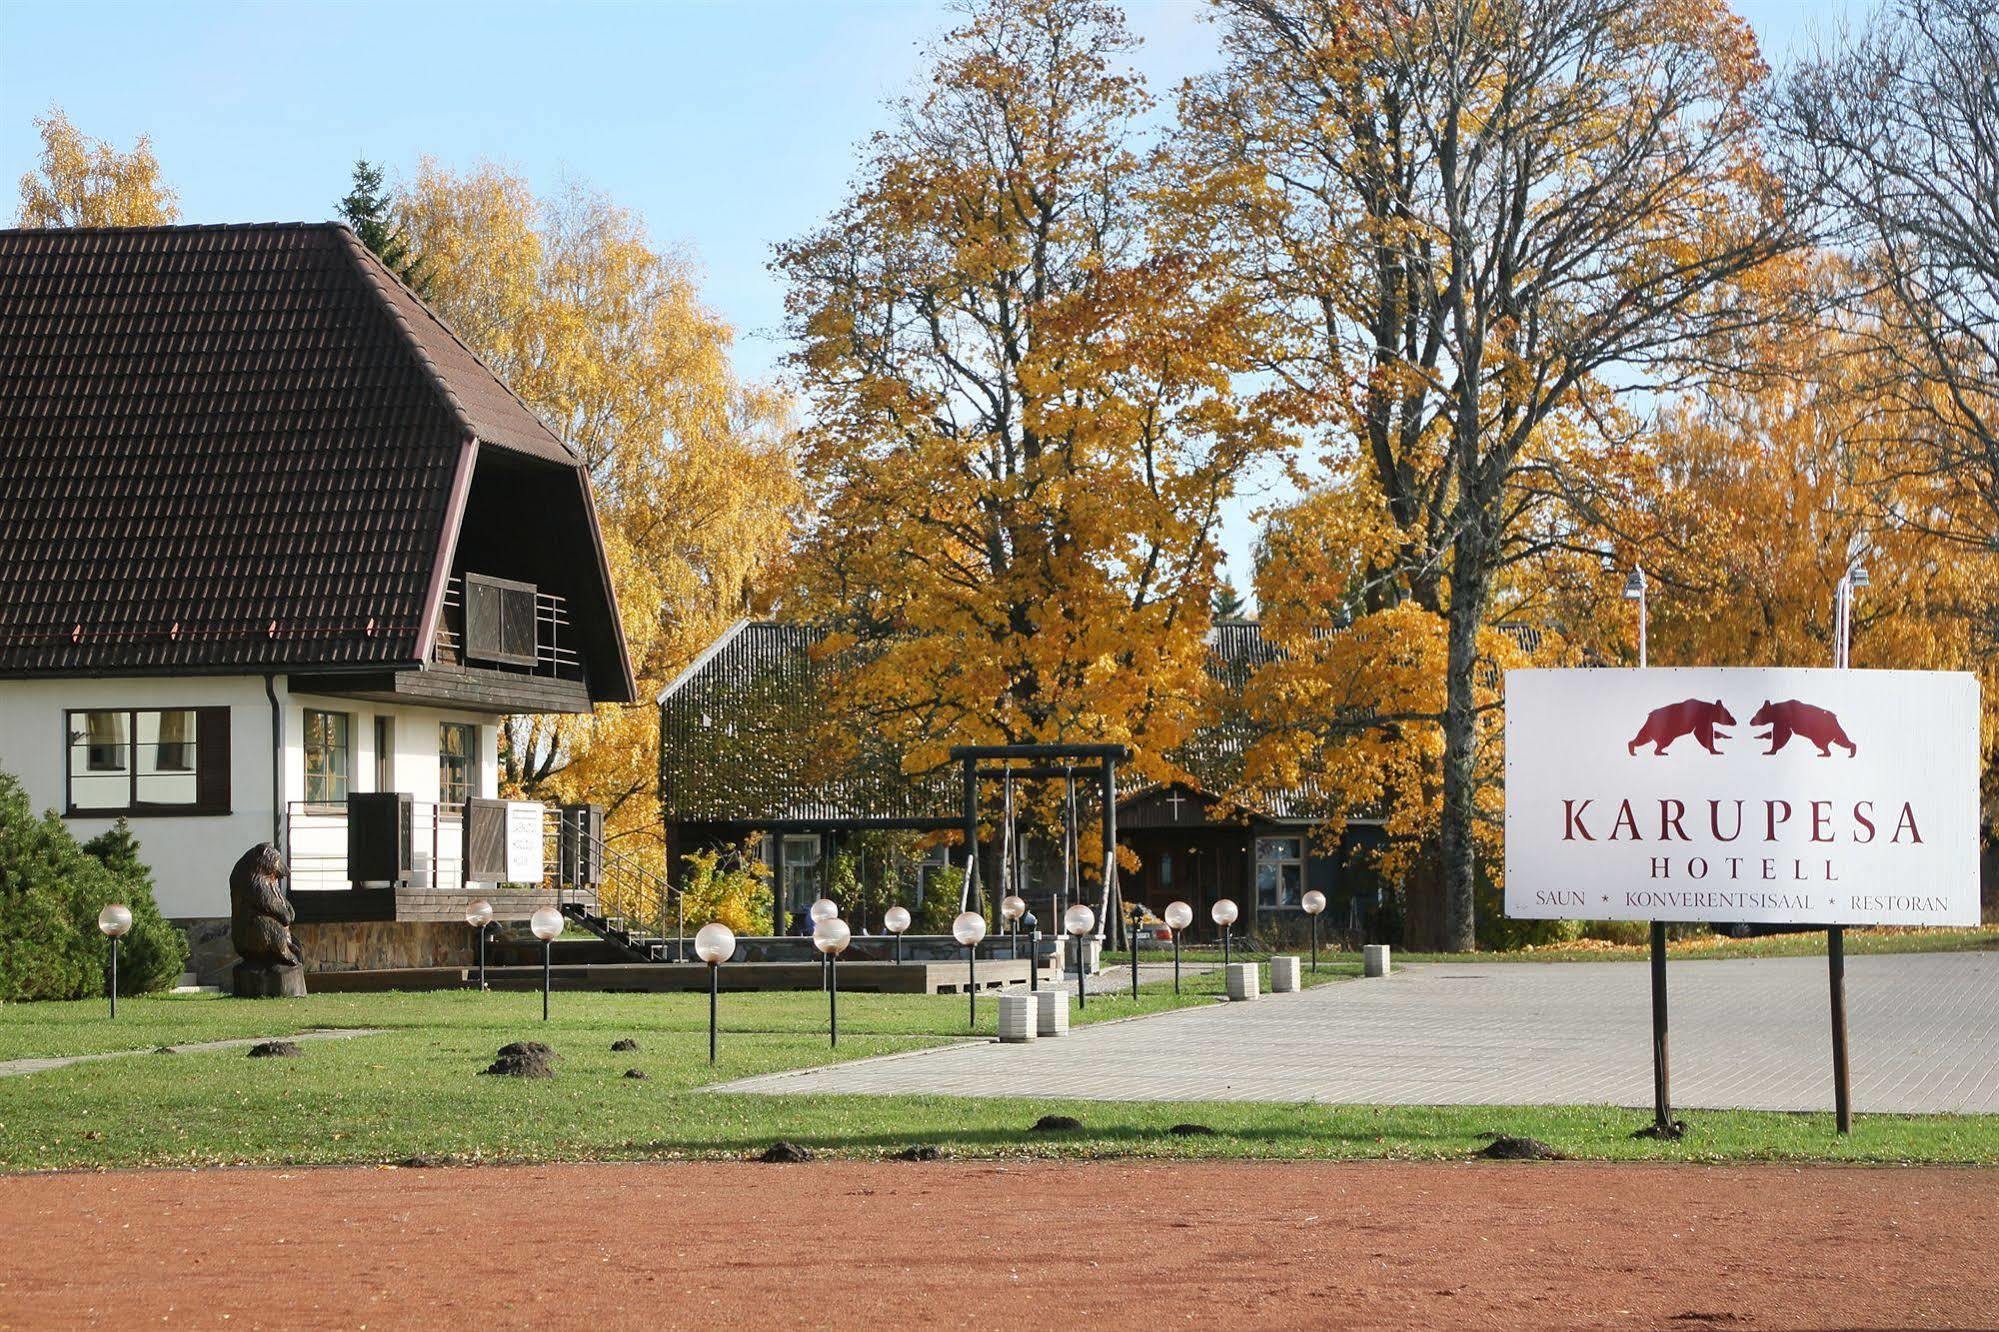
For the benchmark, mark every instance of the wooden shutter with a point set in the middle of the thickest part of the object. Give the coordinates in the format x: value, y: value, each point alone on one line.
x: 211, y: 759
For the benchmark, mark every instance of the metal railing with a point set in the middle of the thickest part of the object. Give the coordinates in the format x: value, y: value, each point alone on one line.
x: 316, y: 846
x: 552, y: 654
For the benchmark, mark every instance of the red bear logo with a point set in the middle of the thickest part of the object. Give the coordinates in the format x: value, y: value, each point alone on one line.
x: 1794, y: 718
x: 1695, y: 716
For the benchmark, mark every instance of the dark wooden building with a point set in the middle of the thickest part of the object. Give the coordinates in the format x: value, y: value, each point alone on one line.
x: 744, y: 755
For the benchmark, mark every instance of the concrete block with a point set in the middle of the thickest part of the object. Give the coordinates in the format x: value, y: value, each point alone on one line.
x: 1051, y: 1012
x: 1374, y: 959
x: 1284, y: 975
x: 1019, y: 1017
x: 1243, y: 980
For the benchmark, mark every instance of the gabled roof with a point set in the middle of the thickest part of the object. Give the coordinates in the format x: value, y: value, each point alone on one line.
x: 232, y: 447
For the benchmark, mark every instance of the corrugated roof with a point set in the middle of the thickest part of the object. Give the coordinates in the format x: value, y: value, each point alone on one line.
x: 737, y: 738
x: 226, y: 447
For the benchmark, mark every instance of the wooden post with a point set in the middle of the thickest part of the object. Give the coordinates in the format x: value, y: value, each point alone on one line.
x: 1842, y: 1087
x: 1662, y: 1095
x: 971, y: 834
x: 1111, y: 916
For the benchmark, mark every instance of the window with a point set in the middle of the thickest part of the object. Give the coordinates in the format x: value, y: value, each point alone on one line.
x: 106, y: 732
x: 801, y: 871
x: 329, y: 757
x: 150, y: 761
x: 385, y: 753
x: 457, y: 762
x: 1280, y: 871
x: 934, y: 862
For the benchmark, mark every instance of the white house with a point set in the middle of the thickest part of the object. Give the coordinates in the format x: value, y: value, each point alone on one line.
x: 270, y: 536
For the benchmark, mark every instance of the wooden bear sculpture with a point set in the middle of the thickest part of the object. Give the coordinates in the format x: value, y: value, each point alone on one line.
x: 260, y: 928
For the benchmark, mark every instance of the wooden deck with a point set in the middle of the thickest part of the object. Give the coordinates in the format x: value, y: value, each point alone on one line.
x: 664, y: 977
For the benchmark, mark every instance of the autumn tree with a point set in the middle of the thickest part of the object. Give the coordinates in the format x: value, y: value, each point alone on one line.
x: 606, y: 336
x: 1893, y: 133
x: 1749, y: 500
x: 1482, y: 221
x: 84, y: 182
x: 1018, y: 346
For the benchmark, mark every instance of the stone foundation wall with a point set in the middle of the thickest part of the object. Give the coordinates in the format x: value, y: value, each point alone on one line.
x: 375, y: 945
x: 210, y: 955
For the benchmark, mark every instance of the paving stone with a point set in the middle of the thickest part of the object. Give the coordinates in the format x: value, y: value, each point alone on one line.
x: 1748, y: 1033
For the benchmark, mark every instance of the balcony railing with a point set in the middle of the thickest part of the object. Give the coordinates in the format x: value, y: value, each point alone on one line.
x: 553, y: 654
x: 316, y: 845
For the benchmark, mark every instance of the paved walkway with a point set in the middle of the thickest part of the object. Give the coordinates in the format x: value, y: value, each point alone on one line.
x: 14, y: 1068
x: 1749, y: 1034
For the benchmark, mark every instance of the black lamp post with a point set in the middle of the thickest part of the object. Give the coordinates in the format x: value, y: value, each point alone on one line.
x: 831, y: 937
x: 1178, y: 917
x: 895, y: 920
x: 823, y: 909
x: 546, y: 924
x: 714, y: 944
x: 1137, y: 915
x: 113, y: 921
x: 1224, y: 914
x: 968, y: 929
x: 477, y: 915
x: 1079, y: 920
x: 1314, y: 902
x: 1033, y: 951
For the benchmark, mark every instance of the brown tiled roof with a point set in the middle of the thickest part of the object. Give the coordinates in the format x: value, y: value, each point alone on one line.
x: 227, y: 448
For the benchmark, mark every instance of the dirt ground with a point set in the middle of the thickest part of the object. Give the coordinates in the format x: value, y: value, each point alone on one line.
x: 1035, y: 1245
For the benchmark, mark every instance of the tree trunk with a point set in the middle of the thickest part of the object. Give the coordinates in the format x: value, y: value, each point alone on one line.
x: 1469, y: 582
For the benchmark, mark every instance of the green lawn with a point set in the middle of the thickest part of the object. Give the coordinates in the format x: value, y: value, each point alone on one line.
x: 28, y: 1030
x: 414, y: 1091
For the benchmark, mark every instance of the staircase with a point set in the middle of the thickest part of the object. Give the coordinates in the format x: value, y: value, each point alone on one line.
x: 631, y: 906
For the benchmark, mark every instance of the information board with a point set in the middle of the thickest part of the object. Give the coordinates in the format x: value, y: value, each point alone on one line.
x: 1823, y: 797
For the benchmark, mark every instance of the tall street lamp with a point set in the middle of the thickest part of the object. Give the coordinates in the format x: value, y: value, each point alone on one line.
x: 823, y: 909
x: 1178, y: 917
x: 1856, y: 575
x: 968, y: 929
x: 895, y: 920
x: 714, y: 944
x: 1224, y: 913
x: 546, y: 924
x: 1033, y: 928
x: 1634, y: 590
x: 1079, y: 920
x: 477, y: 915
x: 1012, y: 908
x: 113, y: 922
x: 831, y: 938
x: 1314, y: 903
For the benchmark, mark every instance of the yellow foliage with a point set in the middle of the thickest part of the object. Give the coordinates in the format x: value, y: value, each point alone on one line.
x: 606, y: 337
x: 85, y: 182
x: 1019, y: 345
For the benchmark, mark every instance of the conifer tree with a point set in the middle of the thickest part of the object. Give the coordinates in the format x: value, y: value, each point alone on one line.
x: 369, y: 211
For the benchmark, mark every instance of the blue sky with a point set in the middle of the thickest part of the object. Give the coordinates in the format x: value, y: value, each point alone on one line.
x: 729, y: 127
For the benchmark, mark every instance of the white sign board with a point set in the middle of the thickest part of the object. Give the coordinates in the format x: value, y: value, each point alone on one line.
x: 525, y: 863
x: 1817, y: 797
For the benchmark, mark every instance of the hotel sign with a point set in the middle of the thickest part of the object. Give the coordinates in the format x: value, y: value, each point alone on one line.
x: 1817, y: 797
